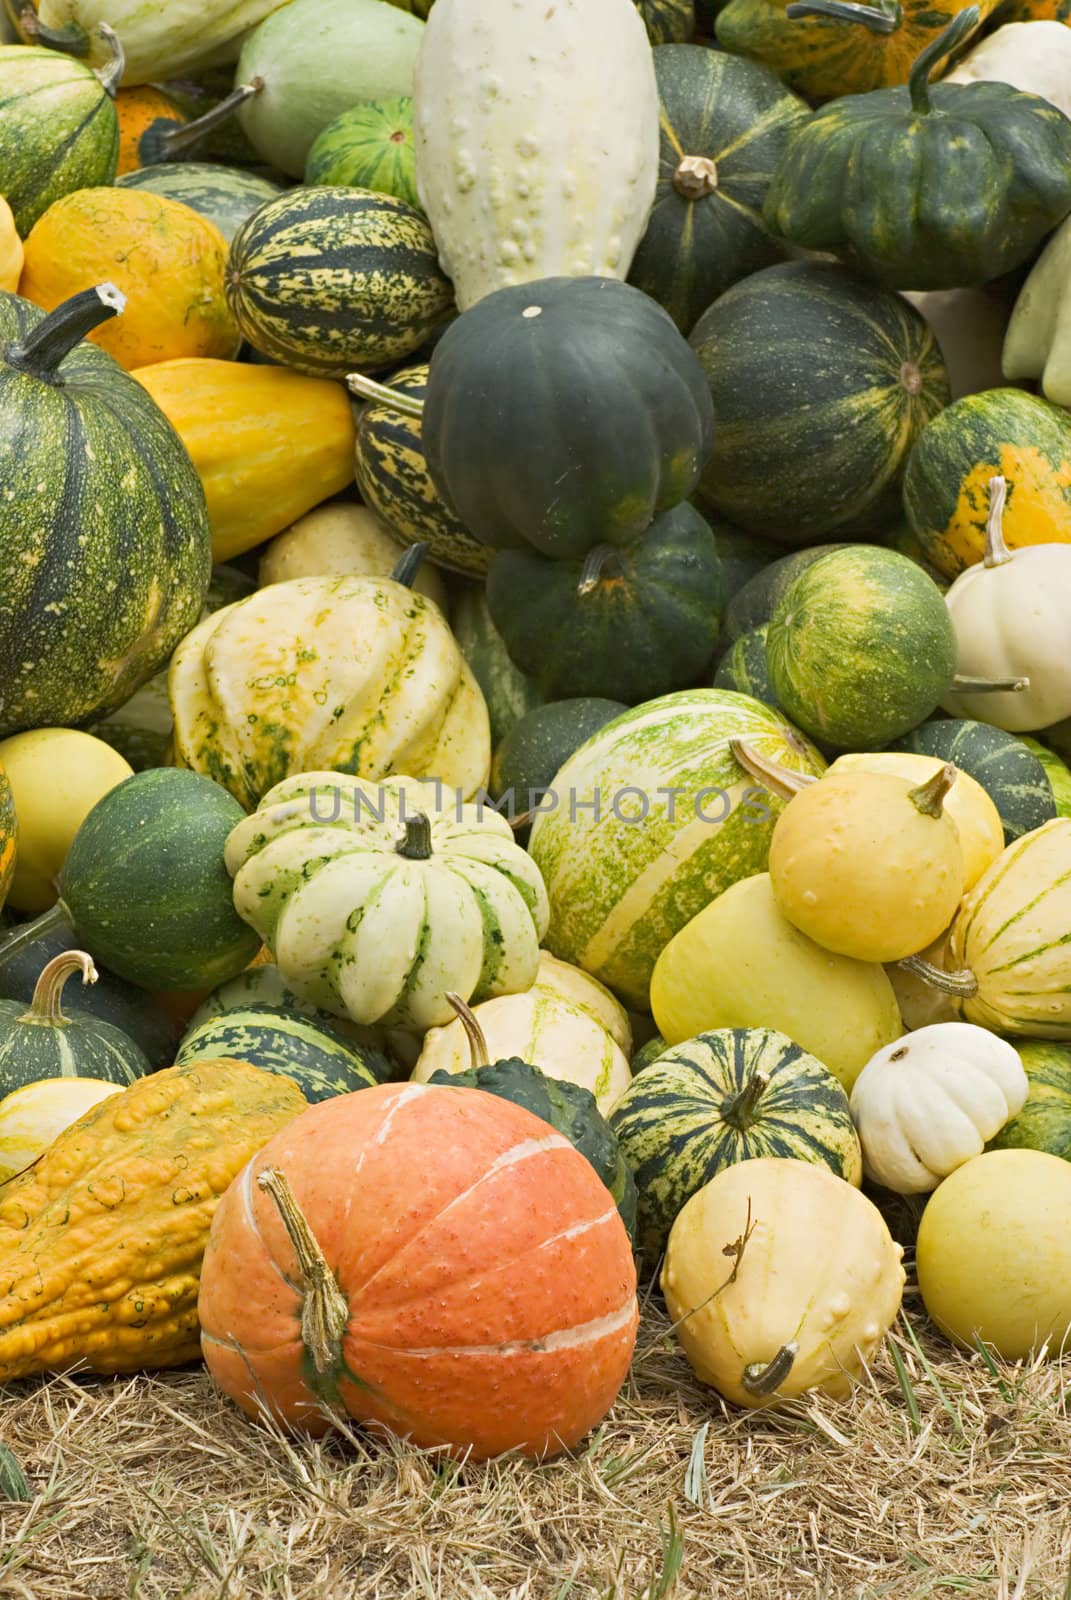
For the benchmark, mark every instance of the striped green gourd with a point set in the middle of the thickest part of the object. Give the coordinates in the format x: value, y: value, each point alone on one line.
x: 332, y: 279
x: 736, y: 1094
x: 1056, y: 771
x: 508, y: 693
x: 677, y: 822
x: 755, y: 601
x: 648, y: 1053
x: 743, y: 667
x: 320, y: 1059
x: 44, y: 1041
x: 1044, y: 1123
x: 370, y: 146
x: 227, y: 196
x: 58, y: 128
x: 1007, y: 770
x: 667, y: 21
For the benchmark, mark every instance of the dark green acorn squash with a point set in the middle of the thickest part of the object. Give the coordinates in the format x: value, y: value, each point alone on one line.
x: 58, y: 128
x: 320, y: 1059
x: 227, y: 196
x: 927, y: 187
x: 1011, y: 775
x: 724, y: 125
x: 44, y: 1041
x: 537, y: 747
x: 820, y: 383
x: 563, y: 414
x: 370, y: 146
x: 620, y: 624
x: 743, y: 667
x: 1044, y: 1123
x: 105, y: 537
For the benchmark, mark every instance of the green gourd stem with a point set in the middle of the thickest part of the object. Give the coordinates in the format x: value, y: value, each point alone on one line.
x: 929, y: 797
x: 46, y: 1002
x: 381, y: 394
x: 477, y: 1042
x: 885, y: 17
x: 782, y: 781
x: 997, y: 553
x: 173, y: 143
x: 742, y: 1110
x: 56, y: 916
x: 72, y: 39
x: 111, y: 73
x: 695, y: 178
x: 409, y: 565
x: 325, y: 1310
x: 960, y: 28
x: 40, y: 353
x: 601, y: 563
x: 416, y: 845
x: 966, y: 685
x: 761, y: 1380
x: 961, y: 985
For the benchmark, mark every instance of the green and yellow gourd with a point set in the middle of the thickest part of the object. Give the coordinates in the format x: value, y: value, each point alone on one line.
x: 743, y: 667
x: 370, y: 146
x: 1004, y: 765
x: 45, y: 1042
x: 1044, y: 1123
x: 227, y: 196
x: 321, y: 1060
x: 667, y: 21
x: 1056, y: 771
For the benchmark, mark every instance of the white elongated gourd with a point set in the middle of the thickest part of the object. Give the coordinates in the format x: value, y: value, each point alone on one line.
x: 1012, y: 618
x: 159, y: 41
x: 537, y: 137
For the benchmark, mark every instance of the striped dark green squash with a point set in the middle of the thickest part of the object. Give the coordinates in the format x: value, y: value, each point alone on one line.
x: 821, y: 383
x: 58, y: 129
x: 743, y: 667
x: 393, y: 478
x: 322, y: 1061
x: 508, y: 693
x: 724, y: 125
x: 1044, y: 1123
x: 332, y: 279
x: 370, y: 146
x: 103, y: 526
x: 667, y: 21
x: 44, y: 1041
x: 861, y: 648
x: 227, y: 196
x: 1010, y: 774
x: 756, y: 601
x: 732, y: 1095
x: 1057, y: 772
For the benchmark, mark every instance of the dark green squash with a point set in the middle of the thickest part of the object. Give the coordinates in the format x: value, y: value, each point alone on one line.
x: 927, y: 187
x: 509, y: 694
x: 320, y: 1059
x: 227, y: 196
x: 667, y: 20
x: 536, y: 748
x: 724, y: 125
x: 44, y: 1041
x: 105, y: 537
x: 653, y: 1050
x: 1011, y: 775
x: 370, y: 146
x: 563, y: 414
x: 743, y: 667
x: 621, y: 624
x: 1044, y: 1123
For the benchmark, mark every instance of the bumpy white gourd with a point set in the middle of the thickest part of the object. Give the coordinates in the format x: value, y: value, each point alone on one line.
x: 929, y: 1102
x: 1012, y: 619
x: 1032, y: 56
x: 537, y: 139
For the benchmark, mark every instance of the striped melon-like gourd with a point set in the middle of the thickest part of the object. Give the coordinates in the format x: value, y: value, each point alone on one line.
x: 1056, y: 771
x: 1044, y: 1123
x: 58, y: 128
x: 1008, y: 771
x: 370, y: 146
x: 329, y: 279
x: 536, y: 139
x: 227, y: 196
x: 322, y: 1061
x: 737, y: 1094
x: 653, y: 819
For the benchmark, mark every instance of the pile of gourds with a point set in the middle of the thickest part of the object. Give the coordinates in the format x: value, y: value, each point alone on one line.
x: 534, y: 694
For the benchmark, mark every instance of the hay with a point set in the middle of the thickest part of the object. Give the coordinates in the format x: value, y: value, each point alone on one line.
x: 944, y: 1475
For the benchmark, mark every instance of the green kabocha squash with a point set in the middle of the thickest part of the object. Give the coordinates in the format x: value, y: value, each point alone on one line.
x: 540, y: 743
x: 320, y: 1059
x: 621, y: 623
x: 1007, y: 770
x: 107, y: 548
x: 736, y: 1094
x: 724, y: 125
x: 508, y: 693
x: 1057, y: 772
x: 326, y: 280
x: 1044, y: 1123
x: 820, y: 384
x: 47, y: 1042
x: 743, y: 667
x: 227, y: 196
x: 927, y: 187
x: 370, y: 146
x: 563, y: 414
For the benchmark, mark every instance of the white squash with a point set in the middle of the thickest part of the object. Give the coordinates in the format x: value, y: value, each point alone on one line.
x: 1038, y: 342
x: 1032, y: 56
x: 537, y: 139
x: 928, y: 1103
x: 1012, y: 619
x: 970, y: 325
x: 342, y: 540
x: 159, y: 41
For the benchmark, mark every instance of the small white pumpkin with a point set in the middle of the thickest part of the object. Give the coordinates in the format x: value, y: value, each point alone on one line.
x: 1012, y: 618
x: 929, y: 1102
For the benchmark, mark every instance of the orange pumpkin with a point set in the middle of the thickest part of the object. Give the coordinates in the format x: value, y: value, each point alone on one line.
x: 8, y: 831
x: 167, y: 259
x: 431, y: 1260
x: 140, y: 109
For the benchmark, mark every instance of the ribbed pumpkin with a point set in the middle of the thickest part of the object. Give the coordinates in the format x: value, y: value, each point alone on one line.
x: 9, y: 826
x: 45, y: 1042
x: 381, y: 1323
x: 321, y: 1061
x: 268, y: 444
x: 225, y: 195
x: 1009, y: 773
x: 370, y: 146
x: 58, y: 128
x: 1044, y: 1123
x: 325, y: 280
x: 120, y: 1208
x: 737, y: 1094
x: 10, y: 250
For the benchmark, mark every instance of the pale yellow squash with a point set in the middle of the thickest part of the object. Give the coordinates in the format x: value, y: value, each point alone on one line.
x: 33, y: 1117
x: 342, y: 540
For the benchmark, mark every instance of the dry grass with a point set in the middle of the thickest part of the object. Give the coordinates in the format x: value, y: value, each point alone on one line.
x: 943, y: 1476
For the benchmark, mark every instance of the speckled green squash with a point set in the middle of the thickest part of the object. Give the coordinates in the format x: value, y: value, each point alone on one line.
x: 541, y: 742
x: 821, y: 383
x: 737, y: 1094
x: 393, y: 478
x: 861, y: 648
x: 227, y: 196
x: 1011, y: 775
x: 322, y: 1061
x: 43, y: 1040
x: 58, y: 130
x: 370, y: 146
x: 329, y: 280
x: 757, y: 600
x: 1044, y: 1123
x: 1056, y: 771
x: 654, y: 820
x: 743, y: 667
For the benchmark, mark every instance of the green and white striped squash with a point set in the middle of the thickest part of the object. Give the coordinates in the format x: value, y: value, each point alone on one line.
x: 736, y: 1094
x: 743, y: 667
x: 320, y: 1059
x: 227, y: 196
x: 1007, y: 770
x: 677, y: 822
x: 58, y: 129
x: 370, y: 146
x: 1044, y: 1123
x: 44, y: 1041
x: 332, y: 279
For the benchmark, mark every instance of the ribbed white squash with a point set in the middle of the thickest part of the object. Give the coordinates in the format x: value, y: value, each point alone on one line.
x: 536, y: 127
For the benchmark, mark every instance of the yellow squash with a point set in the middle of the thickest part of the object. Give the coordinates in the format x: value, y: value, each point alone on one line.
x: 10, y: 250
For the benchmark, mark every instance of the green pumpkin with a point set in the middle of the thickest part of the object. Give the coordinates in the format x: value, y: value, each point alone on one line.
x: 620, y: 624
x: 861, y: 648
x: 820, y: 385
x: 1011, y: 775
x: 724, y: 125
x: 743, y: 667
x: 564, y: 413
x: 1056, y: 771
x: 58, y: 129
x: 227, y: 196
x: 1044, y: 1123
x: 508, y: 693
x: 926, y: 187
x: 648, y: 1053
x: 107, y: 548
x: 370, y: 146
x: 45, y: 1042
x: 736, y: 1094
x: 320, y: 1059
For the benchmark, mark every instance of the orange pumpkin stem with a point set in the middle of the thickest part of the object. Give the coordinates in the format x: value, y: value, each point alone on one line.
x: 325, y: 1310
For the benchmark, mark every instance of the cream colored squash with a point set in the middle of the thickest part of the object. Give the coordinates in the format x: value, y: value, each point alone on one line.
x: 537, y: 139
x: 1038, y: 342
x: 342, y: 540
x: 1032, y: 56
x: 159, y: 41
x: 588, y: 994
x: 33, y: 1117
x: 970, y: 325
x: 930, y: 1101
x: 818, y: 1281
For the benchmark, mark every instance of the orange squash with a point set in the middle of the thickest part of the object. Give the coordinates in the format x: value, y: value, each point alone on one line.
x: 167, y: 259
x: 141, y: 109
x: 434, y: 1261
